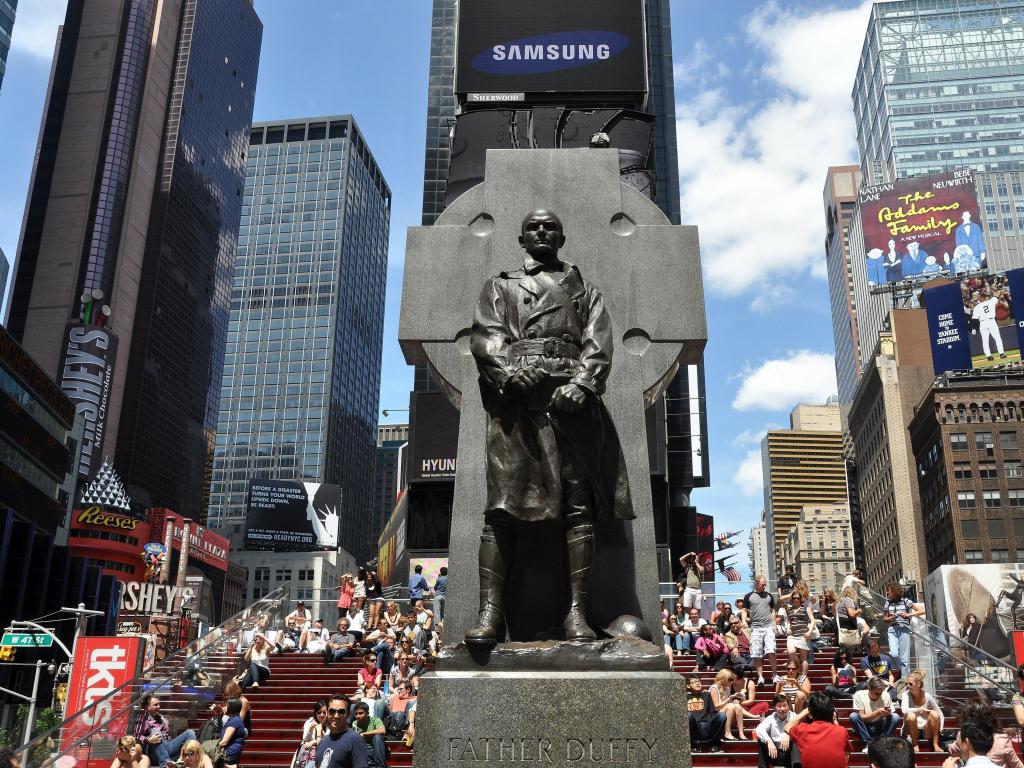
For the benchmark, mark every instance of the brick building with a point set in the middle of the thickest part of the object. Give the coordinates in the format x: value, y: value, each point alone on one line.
x: 966, y: 439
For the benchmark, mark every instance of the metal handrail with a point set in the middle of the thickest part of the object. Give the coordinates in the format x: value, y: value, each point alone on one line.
x: 144, y: 683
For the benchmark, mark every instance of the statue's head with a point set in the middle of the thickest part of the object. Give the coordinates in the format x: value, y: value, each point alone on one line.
x: 542, y: 234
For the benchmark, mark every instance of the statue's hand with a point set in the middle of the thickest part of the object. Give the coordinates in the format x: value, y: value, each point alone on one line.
x: 569, y: 398
x: 525, y: 379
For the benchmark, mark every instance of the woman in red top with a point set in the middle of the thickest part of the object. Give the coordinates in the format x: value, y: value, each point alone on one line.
x: 822, y: 743
x: 347, y: 588
x: 368, y: 674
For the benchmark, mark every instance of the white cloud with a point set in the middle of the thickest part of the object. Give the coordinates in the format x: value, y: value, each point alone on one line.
x: 752, y: 174
x: 749, y: 437
x: 35, y: 28
x: 776, y: 385
x: 749, y: 478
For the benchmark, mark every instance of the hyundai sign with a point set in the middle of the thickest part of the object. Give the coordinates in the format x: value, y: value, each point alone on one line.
x: 553, y: 47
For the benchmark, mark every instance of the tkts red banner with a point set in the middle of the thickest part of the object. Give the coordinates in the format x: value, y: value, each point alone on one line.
x: 102, y: 665
x: 921, y: 227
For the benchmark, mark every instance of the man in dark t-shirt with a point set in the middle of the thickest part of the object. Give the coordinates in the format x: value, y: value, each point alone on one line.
x: 706, y: 725
x: 340, y: 747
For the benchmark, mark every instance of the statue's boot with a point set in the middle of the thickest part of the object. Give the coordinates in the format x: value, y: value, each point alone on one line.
x: 579, y: 541
x: 496, y: 552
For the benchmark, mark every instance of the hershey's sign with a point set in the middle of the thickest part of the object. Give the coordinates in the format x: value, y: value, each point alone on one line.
x: 140, y: 597
x: 85, y: 377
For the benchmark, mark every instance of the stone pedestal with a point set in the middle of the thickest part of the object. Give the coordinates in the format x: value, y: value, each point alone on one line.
x: 620, y: 707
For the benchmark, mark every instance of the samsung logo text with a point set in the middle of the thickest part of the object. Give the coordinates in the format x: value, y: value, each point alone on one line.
x: 550, y: 53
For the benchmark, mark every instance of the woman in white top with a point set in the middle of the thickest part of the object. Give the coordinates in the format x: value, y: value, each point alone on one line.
x: 356, y: 622
x: 921, y: 710
x: 727, y: 702
x: 258, y: 659
x: 359, y: 592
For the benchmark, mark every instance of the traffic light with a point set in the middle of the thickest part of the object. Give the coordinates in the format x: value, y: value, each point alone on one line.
x: 7, y: 652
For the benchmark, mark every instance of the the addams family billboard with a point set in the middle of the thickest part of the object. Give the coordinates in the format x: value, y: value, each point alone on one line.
x: 972, y: 322
x: 551, y: 46
x: 921, y: 227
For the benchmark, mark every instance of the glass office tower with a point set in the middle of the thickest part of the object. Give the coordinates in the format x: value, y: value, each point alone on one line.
x: 940, y: 84
x: 134, y: 204
x: 302, y: 366
x: 7, y: 11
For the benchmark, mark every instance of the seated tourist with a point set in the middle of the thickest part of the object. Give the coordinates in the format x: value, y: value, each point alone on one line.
x: 844, y: 676
x: 153, y: 731
x: 773, y: 743
x: 743, y: 684
x: 372, y: 730
x: 726, y: 702
x: 314, y: 639
x: 878, y: 664
x: 396, y: 715
x: 706, y: 725
x: 402, y: 673
x: 922, y: 712
x: 1001, y: 752
x: 193, y: 756
x: 873, y: 712
x: 257, y: 657
x: 128, y: 753
x: 356, y: 623
x: 691, y: 628
x: 368, y: 674
x: 820, y: 742
x: 233, y: 735
x: 709, y: 649
x: 794, y: 686
x: 375, y: 701
x: 341, y: 644
x: 737, y: 643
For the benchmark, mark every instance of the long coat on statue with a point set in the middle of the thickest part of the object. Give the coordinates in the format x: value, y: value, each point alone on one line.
x: 555, y: 321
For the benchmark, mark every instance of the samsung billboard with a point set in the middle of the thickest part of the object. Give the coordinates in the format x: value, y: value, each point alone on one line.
x: 552, y: 46
x: 290, y: 515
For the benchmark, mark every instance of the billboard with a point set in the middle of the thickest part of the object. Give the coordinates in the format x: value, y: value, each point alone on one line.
x: 86, y: 374
x: 567, y: 47
x: 433, y: 437
x: 291, y: 515
x: 101, y: 665
x: 987, y: 596
x: 971, y: 322
x: 922, y: 227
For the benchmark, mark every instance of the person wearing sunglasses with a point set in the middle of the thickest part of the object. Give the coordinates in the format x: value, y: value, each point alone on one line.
x: 340, y: 747
x: 192, y: 755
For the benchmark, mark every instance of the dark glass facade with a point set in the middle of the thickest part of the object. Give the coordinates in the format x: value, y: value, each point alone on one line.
x: 137, y: 193
x: 8, y: 8
x: 177, y: 354
x: 302, y: 366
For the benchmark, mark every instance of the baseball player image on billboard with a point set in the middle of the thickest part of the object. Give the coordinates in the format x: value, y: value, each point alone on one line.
x: 993, y: 332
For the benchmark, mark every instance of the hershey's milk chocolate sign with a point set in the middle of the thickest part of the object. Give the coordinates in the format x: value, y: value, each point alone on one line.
x: 86, y: 373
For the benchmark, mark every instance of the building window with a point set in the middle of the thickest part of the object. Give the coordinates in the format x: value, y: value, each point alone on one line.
x: 1016, y: 497
x: 970, y: 529
x: 258, y: 592
x: 283, y: 574
x: 996, y: 528
x: 982, y: 440
x: 966, y: 500
x: 1018, y: 527
x: 962, y: 470
x: 973, y: 556
x: 261, y: 574
x: 1013, y: 469
x: 958, y: 441
x: 305, y: 574
x: 992, y: 499
x: 1008, y: 441
x: 1000, y: 555
x: 987, y: 470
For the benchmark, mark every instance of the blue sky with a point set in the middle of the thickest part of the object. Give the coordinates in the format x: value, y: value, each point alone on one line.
x: 763, y: 108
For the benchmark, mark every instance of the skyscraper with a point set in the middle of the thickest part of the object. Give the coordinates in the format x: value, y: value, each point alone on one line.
x: 7, y: 12
x: 679, y: 419
x: 5, y: 270
x: 123, y: 274
x: 302, y: 361
x: 938, y: 89
x: 802, y: 465
x: 840, y: 199
x: 388, y: 477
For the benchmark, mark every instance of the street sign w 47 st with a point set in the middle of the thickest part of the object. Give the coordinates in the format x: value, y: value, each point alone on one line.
x: 26, y: 640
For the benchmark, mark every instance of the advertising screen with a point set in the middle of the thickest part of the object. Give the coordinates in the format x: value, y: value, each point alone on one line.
x: 971, y: 322
x: 922, y: 227
x: 550, y: 46
x: 980, y: 603
x: 289, y: 515
x: 434, y: 437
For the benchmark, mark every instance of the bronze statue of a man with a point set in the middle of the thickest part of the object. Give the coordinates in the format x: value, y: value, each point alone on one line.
x: 542, y: 340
